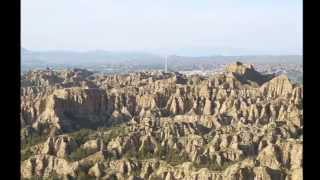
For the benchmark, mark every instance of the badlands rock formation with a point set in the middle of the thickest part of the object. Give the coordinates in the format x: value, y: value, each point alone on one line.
x: 239, y: 124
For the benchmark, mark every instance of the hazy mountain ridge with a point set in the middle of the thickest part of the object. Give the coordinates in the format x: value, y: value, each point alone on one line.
x: 99, y: 56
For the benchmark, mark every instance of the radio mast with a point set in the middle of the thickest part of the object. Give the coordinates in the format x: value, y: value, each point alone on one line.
x: 166, y: 64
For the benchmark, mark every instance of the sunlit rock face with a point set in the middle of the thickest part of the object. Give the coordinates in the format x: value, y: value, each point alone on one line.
x: 239, y: 124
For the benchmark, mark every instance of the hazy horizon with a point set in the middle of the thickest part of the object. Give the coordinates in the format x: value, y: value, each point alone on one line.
x: 186, y: 28
x: 151, y: 53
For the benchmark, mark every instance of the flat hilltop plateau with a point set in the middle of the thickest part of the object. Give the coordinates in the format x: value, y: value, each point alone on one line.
x: 239, y: 124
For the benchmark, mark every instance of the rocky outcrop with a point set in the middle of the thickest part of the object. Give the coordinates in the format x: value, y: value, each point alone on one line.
x: 278, y: 86
x: 246, y: 73
x: 60, y: 146
x: 47, y: 166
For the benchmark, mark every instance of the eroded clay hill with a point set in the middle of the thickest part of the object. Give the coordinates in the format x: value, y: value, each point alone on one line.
x: 151, y: 125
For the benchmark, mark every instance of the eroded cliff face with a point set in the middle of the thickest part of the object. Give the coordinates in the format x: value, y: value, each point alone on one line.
x: 151, y: 125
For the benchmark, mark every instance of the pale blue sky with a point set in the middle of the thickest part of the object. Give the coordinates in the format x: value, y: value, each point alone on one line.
x: 184, y: 27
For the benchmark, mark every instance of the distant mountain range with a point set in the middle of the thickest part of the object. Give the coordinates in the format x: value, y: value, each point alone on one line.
x: 41, y: 59
x: 71, y: 57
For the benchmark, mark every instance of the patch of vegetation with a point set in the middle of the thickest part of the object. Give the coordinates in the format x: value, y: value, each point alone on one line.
x: 35, y: 178
x: 272, y: 125
x: 113, y: 132
x: 80, y: 153
x: 81, y: 121
x: 175, y: 157
x: 81, y: 136
x: 113, y: 177
x: 162, y: 152
x: 32, y: 140
x: 54, y: 176
x: 144, y: 153
x: 171, y: 156
x: 202, y: 129
x: 155, y: 178
x: 136, y: 172
x: 213, y: 165
x: 112, y: 156
x: 130, y: 155
x: 84, y: 176
x: 25, y: 154
x: 209, y: 137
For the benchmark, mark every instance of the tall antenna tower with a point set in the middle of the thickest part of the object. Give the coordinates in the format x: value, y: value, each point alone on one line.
x: 166, y: 64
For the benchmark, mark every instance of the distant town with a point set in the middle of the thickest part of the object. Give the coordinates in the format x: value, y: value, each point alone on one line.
x: 106, y: 62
